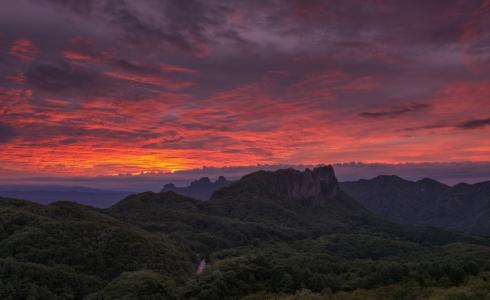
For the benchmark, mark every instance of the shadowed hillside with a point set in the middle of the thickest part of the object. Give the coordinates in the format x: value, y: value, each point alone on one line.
x: 67, y: 250
x: 464, y: 207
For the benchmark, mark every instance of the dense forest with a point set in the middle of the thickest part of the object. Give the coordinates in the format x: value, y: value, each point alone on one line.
x: 272, y: 235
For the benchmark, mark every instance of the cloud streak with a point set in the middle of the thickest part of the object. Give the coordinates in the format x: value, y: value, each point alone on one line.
x: 474, y: 124
x: 395, y: 111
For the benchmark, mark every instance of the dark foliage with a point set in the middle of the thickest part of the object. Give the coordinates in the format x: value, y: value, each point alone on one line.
x: 464, y: 207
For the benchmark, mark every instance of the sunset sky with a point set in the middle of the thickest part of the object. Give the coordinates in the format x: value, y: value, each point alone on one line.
x: 105, y: 87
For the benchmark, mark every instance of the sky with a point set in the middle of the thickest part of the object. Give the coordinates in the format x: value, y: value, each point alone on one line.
x: 104, y: 87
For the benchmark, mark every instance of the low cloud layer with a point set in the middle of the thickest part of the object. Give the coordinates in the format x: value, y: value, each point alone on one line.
x: 448, y: 173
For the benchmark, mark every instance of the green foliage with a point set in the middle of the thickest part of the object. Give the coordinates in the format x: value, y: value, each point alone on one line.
x: 257, y: 242
x: 285, y: 268
x: 145, y: 285
x: 34, y: 281
x: 190, y: 222
x: 85, y: 242
x: 476, y: 288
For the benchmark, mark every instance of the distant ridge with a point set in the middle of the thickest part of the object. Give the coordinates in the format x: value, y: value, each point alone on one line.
x: 46, y: 194
x: 464, y: 207
x: 200, y: 189
x: 425, y: 201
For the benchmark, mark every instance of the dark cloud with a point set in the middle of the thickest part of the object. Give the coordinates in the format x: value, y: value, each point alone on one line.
x: 61, y: 79
x: 7, y: 133
x: 395, y: 111
x: 426, y: 127
x: 249, y: 150
x: 58, y: 76
x: 474, y: 124
x: 203, y: 142
x: 181, y: 24
x: 83, y: 7
x: 466, y: 125
x: 136, y: 67
x: 276, y: 35
x: 69, y: 141
x: 70, y: 133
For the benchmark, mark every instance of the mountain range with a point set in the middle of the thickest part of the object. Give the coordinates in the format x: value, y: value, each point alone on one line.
x: 285, y: 234
x: 200, y: 189
x: 464, y: 207
x: 45, y: 194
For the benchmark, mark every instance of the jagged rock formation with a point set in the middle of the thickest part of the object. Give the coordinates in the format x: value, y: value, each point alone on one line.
x: 317, y: 185
x: 311, y: 187
x: 290, y: 197
x: 463, y: 207
x: 200, y: 189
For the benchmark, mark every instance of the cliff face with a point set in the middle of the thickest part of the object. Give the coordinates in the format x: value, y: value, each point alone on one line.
x: 314, y: 187
x: 311, y: 188
x: 320, y: 183
x: 291, y: 198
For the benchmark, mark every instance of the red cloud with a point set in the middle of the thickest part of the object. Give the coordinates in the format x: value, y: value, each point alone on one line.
x: 176, y: 69
x: 76, y: 56
x: 23, y: 49
x: 151, y: 79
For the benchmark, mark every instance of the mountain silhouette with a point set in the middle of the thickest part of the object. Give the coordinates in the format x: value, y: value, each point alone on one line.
x: 200, y: 189
x: 464, y: 207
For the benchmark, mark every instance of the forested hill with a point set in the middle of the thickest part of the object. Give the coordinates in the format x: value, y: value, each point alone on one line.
x: 270, y: 235
x: 464, y: 207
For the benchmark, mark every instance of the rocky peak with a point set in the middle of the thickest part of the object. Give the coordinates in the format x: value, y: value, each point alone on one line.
x: 202, y: 181
x: 319, y: 183
x: 221, y: 180
x: 311, y: 187
x: 168, y: 186
x: 199, y: 189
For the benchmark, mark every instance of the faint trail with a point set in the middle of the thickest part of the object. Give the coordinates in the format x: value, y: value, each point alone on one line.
x: 201, y: 266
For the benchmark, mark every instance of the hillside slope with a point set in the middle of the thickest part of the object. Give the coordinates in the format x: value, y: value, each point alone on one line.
x: 464, y: 207
x: 79, y: 246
